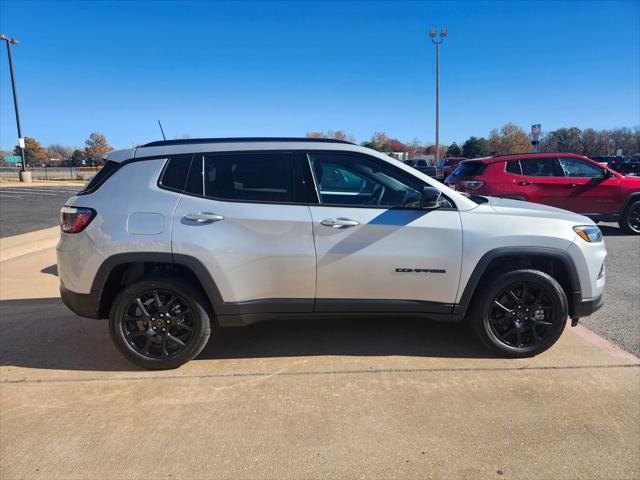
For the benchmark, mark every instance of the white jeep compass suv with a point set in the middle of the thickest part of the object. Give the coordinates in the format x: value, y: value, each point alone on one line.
x: 174, y: 236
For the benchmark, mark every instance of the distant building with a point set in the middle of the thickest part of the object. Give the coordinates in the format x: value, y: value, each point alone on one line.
x: 399, y: 155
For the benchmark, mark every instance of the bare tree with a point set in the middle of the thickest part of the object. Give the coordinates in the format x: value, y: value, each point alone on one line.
x: 96, y: 146
x: 337, y: 134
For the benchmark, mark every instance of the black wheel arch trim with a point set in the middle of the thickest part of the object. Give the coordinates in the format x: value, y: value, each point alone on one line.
x: 631, y: 198
x: 199, y: 270
x: 548, y: 252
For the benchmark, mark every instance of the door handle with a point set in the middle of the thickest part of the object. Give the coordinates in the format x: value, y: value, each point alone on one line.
x: 339, y: 222
x: 524, y: 183
x: 573, y: 185
x: 203, y: 217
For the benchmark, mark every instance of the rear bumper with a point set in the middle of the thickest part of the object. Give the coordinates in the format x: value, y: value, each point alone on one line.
x: 83, y: 304
x: 585, y: 308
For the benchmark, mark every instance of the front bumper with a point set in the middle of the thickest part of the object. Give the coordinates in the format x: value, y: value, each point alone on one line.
x: 83, y: 304
x: 584, y: 308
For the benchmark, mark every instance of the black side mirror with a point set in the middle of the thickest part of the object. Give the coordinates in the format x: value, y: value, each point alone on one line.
x: 430, y: 199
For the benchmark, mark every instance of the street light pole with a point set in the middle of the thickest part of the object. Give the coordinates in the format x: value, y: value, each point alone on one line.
x: 11, y: 41
x: 432, y: 34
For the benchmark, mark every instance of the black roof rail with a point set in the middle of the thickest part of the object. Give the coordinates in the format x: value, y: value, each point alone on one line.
x: 188, y: 141
x: 534, y: 153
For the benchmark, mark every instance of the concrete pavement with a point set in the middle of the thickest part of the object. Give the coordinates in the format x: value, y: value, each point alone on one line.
x: 340, y: 399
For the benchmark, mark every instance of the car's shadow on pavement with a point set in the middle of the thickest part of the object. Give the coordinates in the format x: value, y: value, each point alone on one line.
x: 43, y: 334
x: 608, y: 231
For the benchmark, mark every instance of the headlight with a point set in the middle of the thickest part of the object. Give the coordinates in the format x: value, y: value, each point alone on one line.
x: 589, y: 233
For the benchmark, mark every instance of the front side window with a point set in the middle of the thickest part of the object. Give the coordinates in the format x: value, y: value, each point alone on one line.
x: 538, y: 167
x: 259, y: 177
x: 572, y: 167
x: 344, y: 179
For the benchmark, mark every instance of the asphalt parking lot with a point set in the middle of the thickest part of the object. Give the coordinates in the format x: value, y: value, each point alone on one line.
x: 25, y: 209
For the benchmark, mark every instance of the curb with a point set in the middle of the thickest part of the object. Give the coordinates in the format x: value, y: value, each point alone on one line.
x: 605, y: 345
x: 19, y: 245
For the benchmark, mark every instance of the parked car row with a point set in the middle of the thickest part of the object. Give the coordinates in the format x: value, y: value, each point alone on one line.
x: 563, y: 180
x: 424, y: 167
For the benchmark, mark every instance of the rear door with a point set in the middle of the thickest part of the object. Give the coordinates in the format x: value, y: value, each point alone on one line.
x: 589, y: 189
x: 542, y: 182
x: 376, y: 249
x: 239, y: 218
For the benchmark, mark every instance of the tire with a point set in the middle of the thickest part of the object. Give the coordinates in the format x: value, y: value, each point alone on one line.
x: 165, y: 336
x: 630, y: 221
x: 505, y: 327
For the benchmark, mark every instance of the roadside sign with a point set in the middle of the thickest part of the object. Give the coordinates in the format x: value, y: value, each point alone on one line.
x: 21, y: 142
x: 536, y: 129
x: 13, y: 159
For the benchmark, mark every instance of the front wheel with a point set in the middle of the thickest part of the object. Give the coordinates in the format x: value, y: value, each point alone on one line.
x: 630, y: 221
x: 520, y: 313
x: 159, y: 324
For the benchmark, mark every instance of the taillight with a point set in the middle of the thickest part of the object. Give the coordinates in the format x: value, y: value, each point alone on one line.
x: 75, y: 219
x: 472, y: 184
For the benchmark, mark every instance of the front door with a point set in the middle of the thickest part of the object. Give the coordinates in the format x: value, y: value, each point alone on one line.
x: 589, y: 189
x: 239, y: 219
x: 376, y: 249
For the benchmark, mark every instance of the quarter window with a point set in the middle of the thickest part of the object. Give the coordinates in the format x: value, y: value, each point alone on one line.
x: 344, y: 179
x: 572, y: 167
x: 249, y: 177
x: 174, y: 175
x: 513, y: 166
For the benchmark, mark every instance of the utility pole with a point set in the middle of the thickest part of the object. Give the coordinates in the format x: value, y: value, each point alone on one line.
x: 24, y: 175
x: 432, y: 34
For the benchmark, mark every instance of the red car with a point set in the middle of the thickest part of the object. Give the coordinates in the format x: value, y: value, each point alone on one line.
x: 562, y: 180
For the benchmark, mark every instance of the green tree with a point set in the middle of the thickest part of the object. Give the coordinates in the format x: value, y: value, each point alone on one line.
x: 77, y: 157
x: 96, y: 146
x: 34, y: 153
x: 454, y: 150
x: 476, y: 147
x: 509, y: 139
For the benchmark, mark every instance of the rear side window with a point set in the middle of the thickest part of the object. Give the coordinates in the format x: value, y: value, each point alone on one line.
x: 513, y: 166
x: 538, y: 167
x: 99, y: 178
x: 472, y: 169
x: 174, y: 175
x: 260, y: 177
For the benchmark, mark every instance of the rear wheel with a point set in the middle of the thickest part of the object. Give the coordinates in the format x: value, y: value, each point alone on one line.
x: 159, y: 324
x: 520, y: 313
x: 630, y: 221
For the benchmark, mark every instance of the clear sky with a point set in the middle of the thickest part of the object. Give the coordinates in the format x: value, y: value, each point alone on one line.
x: 282, y: 69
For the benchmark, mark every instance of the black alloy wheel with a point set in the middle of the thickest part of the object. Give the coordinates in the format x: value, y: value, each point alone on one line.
x: 630, y: 221
x: 160, y: 322
x: 519, y: 313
